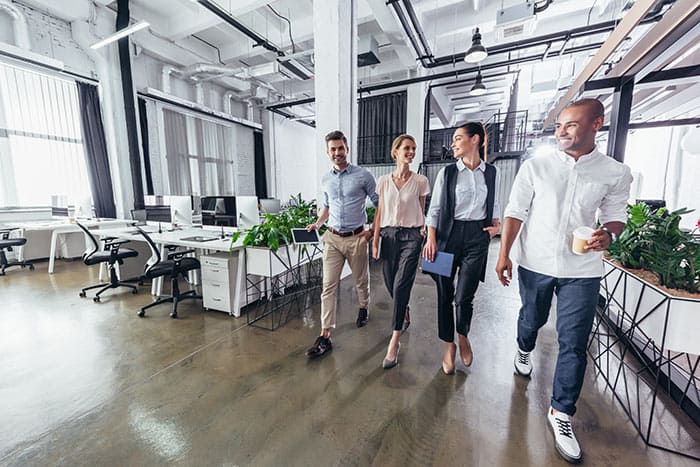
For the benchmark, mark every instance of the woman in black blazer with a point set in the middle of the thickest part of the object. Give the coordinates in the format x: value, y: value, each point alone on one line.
x: 463, y: 217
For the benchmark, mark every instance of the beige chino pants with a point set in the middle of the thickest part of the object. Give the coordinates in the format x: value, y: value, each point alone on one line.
x: 336, y: 250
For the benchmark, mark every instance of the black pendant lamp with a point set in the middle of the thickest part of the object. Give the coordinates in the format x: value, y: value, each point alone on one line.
x: 476, y: 52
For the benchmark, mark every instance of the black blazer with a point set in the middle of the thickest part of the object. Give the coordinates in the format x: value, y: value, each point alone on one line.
x: 447, y: 205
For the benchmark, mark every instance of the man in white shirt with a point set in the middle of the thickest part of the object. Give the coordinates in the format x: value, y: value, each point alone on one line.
x: 552, y: 195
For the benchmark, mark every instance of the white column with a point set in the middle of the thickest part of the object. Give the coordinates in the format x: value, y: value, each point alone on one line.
x: 335, y: 33
x: 415, y: 107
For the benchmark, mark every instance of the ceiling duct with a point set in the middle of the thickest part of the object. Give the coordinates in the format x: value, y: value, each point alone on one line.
x: 368, y: 51
x: 515, y: 21
x: 259, y: 40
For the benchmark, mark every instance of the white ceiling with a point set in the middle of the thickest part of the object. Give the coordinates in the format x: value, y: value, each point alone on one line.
x: 447, y: 26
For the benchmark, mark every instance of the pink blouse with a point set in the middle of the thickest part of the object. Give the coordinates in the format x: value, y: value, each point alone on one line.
x: 401, y: 208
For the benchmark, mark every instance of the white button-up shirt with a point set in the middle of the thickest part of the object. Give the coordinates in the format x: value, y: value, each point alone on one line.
x: 555, y: 194
x: 470, y: 195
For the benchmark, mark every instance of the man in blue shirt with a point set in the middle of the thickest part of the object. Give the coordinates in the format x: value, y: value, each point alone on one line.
x: 345, y: 190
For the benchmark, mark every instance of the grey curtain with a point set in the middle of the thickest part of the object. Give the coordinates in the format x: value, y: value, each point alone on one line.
x: 260, y: 176
x: 96, y: 151
x: 381, y: 119
x: 176, y: 153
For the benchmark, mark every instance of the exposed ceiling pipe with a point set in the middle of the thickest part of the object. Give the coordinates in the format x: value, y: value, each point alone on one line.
x: 259, y: 40
x: 428, y: 61
x: 448, y: 74
x: 199, y: 93
x: 206, y: 68
x: 19, y: 24
x: 165, y: 77
x: 227, y: 102
x: 422, y: 51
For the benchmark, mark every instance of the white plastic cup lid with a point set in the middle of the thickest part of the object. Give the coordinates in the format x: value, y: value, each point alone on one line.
x: 584, y: 233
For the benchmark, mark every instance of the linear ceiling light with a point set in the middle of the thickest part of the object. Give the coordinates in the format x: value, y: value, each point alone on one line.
x: 119, y: 34
x: 478, y: 89
x: 476, y: 52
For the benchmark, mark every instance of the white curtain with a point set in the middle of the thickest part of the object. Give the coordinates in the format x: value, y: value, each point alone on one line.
x: 41, y: 148
x: 199, y: 154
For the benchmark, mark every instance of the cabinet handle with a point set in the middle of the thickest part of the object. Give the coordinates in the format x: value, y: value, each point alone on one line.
x: 215, y: 285
x: 216, y: 299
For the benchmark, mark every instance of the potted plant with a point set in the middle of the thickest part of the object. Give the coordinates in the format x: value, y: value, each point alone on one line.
x: 268, y: 244
x: 651, y: 308
x: 655, y: 261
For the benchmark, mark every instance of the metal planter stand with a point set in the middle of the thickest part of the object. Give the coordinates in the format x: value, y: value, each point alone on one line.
x: 656, y: 385
x: 280, y: 296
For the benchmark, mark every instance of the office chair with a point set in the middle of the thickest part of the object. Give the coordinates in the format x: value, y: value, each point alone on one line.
x: 111, y: 254
x: 175, y: 265
x: 6, y: 243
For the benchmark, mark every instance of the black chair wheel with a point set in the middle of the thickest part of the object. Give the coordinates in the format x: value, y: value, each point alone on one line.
x: 134, y: 291
x: 173, y: 315
x: 141, y: 314
x: 31, y: 267
x: 82, y: 294
x: 96, y: 299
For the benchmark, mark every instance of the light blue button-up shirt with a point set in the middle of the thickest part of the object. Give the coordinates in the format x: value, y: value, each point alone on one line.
x: 345, y: 193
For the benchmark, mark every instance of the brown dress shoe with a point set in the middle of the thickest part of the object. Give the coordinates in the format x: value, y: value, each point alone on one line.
x: 448, y: 361
x: 465, y: 351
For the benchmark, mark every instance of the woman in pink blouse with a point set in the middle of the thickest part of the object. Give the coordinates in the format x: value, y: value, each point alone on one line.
x: 399, y: 221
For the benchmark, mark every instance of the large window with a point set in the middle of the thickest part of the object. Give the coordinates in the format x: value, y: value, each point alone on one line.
x: 198, y: 155
x: 41, y: 147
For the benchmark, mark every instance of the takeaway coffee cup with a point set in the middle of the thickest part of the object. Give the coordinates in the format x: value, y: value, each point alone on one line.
x: 581, y: 237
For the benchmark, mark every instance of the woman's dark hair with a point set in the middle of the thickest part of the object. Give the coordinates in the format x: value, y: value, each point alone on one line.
x: 476, y: 128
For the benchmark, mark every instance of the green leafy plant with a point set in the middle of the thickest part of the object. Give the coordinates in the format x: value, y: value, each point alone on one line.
x: 276, y: 229
x: 370, y: 211
x: 655, y: 241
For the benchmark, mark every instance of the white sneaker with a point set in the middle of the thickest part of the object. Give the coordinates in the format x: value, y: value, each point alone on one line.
x: 522, y: 362
x: 564, y: 437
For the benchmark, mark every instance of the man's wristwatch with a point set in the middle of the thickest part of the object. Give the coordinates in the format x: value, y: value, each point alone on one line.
x: 613, y: 237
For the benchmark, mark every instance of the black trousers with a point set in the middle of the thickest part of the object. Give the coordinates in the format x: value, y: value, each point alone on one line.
x: 469, y: 244
x: 401, y: 247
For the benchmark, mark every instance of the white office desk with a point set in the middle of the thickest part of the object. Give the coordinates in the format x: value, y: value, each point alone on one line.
x: 176, y: 237
x: 63, y: 227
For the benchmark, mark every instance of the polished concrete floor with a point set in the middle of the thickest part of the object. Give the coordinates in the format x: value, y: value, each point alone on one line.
x: 92, y: 384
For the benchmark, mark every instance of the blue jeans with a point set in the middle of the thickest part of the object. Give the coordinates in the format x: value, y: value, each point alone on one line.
x: 576, y: 305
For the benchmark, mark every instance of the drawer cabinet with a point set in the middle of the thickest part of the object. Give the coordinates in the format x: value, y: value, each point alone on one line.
x: 219, y: 282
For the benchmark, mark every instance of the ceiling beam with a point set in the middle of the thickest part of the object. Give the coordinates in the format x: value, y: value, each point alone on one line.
x: 648, y: 53
x: 628, y: 23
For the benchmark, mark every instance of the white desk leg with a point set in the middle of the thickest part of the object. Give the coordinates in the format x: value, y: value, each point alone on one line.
x: 20, y: 250
x: 157, y: 283
x: 240, y: 283
x: 52, y: 252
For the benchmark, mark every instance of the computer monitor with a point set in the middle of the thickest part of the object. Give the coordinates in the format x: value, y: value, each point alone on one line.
x: 83, y: 207
x: 219, y: 210
x: 181, y: 210
x: 270, y: 205
x: 247, y: 208
x: 654, y: 204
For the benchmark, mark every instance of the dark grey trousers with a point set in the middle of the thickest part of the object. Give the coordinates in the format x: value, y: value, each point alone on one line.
x: 401, y: 248
x: 470, y: 244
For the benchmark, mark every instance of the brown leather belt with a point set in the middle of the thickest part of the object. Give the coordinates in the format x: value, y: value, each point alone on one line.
x: 346, y: 234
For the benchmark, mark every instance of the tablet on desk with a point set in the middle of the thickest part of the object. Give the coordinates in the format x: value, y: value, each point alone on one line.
x: 199, y: 238
x: 305, y: 237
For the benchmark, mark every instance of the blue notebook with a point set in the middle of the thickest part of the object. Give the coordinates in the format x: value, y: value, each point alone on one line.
x: 442, y: 265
